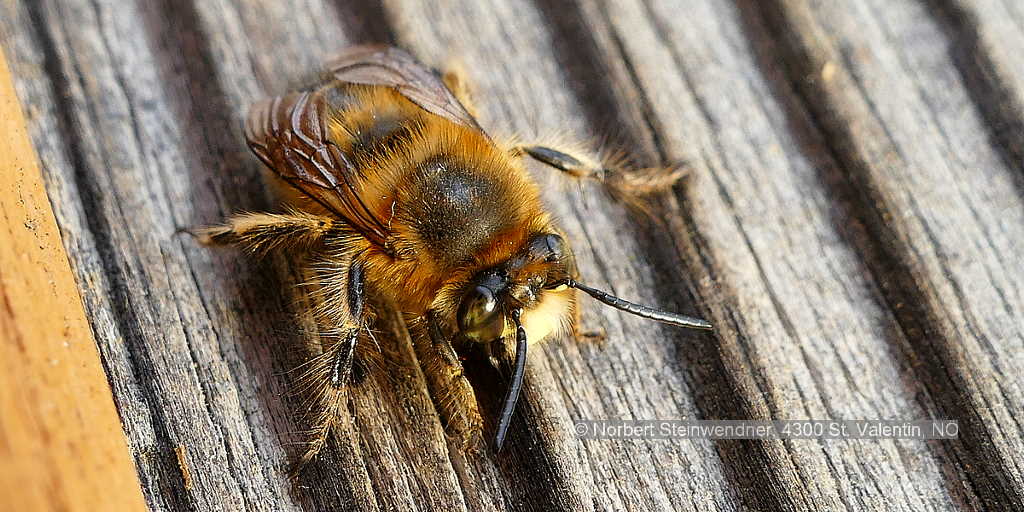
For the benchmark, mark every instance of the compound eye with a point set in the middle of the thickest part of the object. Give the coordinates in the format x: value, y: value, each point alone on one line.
x: 479, y: 316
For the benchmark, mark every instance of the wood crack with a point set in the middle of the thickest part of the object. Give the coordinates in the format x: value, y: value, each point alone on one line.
x: 907, y: 292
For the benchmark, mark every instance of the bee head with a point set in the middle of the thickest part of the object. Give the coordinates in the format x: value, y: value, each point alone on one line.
x: 485, y: 310
x: 496, y: 299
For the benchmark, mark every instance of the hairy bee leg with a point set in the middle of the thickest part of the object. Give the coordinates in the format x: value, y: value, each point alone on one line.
x: 263, y: 232
x: 581, y: 334
x: 326, y: 383
x: 628, y: 182
x: 452, y: 393
x: 579, y: 166
x: 326, y: 390
x: 454, y: 78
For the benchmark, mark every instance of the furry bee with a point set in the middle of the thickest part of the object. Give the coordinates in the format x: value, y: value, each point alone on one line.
x: 400, y: 193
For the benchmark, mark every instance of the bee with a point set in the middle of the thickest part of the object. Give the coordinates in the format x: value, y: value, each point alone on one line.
x: 398, y: 193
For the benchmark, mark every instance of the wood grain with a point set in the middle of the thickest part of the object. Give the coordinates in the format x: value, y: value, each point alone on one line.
x: 852, y: 225
x: 61, y: 443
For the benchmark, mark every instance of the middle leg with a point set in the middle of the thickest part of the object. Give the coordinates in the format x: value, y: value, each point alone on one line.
x: 341, y: 316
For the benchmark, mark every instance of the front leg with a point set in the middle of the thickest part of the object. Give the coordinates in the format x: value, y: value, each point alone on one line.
x: 452, y: 393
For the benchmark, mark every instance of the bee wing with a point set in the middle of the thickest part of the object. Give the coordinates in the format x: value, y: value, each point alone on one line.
x: 289, y: 134
x: 391, y: 67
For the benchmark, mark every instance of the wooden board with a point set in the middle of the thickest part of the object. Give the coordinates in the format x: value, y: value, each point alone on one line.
x: 61, y: 443
x: 852, y: 225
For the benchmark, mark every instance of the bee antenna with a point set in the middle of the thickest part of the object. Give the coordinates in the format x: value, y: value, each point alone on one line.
x: 517, y: 382
x: 640, y: 310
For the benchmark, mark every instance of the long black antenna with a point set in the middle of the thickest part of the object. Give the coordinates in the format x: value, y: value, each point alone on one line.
x: 639, y: 310
x: 517, y: 382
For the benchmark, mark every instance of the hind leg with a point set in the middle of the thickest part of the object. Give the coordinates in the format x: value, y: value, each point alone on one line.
x: 575, y: 161
x: 454, y: 78
x: 261, y: 233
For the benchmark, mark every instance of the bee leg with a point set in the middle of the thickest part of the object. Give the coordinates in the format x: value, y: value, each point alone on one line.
x: 580, y: 334
x: 326, y: 382
x: 623, y: 181
x: 262, y: 232
x: 491, y: 351
x: 325, y: 386
x: 452, y: 393
x: 454, y: 78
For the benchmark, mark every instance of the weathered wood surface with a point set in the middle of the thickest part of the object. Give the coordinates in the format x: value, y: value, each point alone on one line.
x: 852, y: 227
x: 61, y: 442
